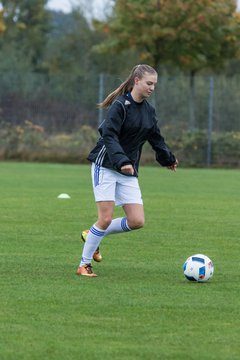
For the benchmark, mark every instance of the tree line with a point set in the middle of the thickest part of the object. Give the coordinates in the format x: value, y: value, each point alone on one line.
x: 49, y: 59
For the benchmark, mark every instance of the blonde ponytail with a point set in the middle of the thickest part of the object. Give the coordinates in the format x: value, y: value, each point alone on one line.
x: 127, y: 85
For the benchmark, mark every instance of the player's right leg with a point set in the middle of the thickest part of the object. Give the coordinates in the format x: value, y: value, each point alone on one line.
x: 94, y: 237
x: 97, y: 255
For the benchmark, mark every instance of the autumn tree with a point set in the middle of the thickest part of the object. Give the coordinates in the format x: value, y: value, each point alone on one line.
x: 188, y: 34
x: 192, y: 34
x: 2, y: 22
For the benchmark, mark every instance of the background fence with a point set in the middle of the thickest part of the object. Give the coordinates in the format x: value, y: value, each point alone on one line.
x: 198, y: 115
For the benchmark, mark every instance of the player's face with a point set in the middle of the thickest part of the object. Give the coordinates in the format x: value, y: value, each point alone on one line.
x: 146, y: 85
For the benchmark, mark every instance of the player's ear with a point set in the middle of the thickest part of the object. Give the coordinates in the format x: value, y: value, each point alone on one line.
x: 136, y: 80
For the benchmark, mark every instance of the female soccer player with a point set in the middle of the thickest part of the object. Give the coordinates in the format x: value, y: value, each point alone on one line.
x: 130, y: 122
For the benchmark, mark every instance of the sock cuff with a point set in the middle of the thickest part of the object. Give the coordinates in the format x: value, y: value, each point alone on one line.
x: 124, y: 224
x: 96, y: 231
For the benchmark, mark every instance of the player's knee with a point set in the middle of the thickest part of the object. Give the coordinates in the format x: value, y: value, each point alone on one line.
x: 137, y: 223
x: 104, y: 222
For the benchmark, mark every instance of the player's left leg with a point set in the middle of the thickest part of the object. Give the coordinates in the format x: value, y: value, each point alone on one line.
x: 135, y: 215
x: 128, y: 195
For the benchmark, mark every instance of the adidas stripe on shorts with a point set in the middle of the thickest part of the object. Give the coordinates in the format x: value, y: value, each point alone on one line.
x: 109, y: 185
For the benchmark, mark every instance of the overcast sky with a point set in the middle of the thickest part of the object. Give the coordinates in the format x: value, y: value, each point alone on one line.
x: 66, y: 5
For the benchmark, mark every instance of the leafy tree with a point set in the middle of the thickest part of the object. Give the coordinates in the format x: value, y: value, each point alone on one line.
x: 188, y: 33
x: 69, y: 43
x: 27, y: 25
x: 67, y: 55
x: 2, y: 22
x: 192, y: 35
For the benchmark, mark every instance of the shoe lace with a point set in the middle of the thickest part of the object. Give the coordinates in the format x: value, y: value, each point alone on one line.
x: 89, y: 268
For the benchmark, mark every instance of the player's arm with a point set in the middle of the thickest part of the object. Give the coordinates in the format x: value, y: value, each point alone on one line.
x: 163, y: 154
x: 110, y: 131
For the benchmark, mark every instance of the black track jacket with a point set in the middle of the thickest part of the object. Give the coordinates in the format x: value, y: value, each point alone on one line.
x: 128, y: 125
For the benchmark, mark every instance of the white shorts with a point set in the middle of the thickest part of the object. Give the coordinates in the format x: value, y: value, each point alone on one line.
x: 109, y: 185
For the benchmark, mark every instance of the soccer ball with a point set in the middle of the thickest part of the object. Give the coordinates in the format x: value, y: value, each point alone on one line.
x: 198, y: 268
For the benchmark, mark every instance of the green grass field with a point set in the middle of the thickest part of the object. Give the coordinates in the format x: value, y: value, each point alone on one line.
x: 140, y: 306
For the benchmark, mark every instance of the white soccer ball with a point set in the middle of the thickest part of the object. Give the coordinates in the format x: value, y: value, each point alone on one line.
x: 198, y: 268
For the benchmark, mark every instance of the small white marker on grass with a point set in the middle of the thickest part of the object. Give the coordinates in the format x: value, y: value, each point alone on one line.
x: 64, y: 196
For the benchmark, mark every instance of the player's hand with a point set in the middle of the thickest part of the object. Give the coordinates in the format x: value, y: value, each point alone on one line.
x: 173, y: 167
x: 127, y: 169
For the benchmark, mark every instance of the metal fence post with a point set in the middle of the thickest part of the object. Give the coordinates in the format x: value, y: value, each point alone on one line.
x: 100, y: 97
x: 210, y: 121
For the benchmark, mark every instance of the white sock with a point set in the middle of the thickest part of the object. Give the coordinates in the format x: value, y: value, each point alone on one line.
x: 92, y: 242
x: 117, y: 226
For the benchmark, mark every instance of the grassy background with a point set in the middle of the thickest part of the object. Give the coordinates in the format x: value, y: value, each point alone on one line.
x: 140, y: 306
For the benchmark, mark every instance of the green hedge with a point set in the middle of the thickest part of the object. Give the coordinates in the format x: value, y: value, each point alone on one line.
x: 31, y: 143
